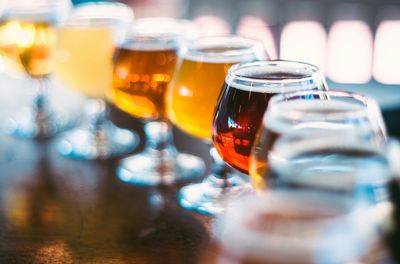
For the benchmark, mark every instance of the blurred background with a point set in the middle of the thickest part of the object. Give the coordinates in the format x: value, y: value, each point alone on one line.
x: 355, y: 43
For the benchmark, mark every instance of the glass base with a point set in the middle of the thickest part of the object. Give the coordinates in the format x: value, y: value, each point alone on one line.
x: 152, y: 168
x: 85, y: 144
x: 213, y: 195
x: 27, y: 124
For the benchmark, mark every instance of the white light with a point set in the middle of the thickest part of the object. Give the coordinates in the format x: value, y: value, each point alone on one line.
x: 256, y: 28
x: 304, y: 41
x: 386, y: 54
x: 350, y: 52
x: 211, y: 25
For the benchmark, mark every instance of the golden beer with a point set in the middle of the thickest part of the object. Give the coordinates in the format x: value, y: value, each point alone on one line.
x: 200, y: 78
x: 195, y: 94
x: 8, y: 51
x: 140, y: 80
x: 30, y: 44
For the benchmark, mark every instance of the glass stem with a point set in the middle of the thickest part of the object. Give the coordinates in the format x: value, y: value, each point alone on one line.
x: 41, y: 113
x: 159, y: 137
x: 220, y: 171
x: 96, y: 116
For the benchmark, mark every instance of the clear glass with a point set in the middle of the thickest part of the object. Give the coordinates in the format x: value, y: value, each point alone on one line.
x: 29, y: 28
x: 296, y: 226
x: 343, y: 113
x: 191, y: 100
x: 243, y: 100
x: 86, y: 44
x: 143, y: 68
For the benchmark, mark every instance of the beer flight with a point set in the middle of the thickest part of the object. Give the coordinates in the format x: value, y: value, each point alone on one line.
x: 317, y: 158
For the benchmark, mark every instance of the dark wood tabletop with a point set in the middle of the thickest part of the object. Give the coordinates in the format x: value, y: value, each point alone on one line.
x: 58, y: 210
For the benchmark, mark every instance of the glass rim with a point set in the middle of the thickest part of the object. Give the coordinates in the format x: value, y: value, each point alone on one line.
x: 241, y: 47
x: 366, y: 102
x: 93, y: 14
x: 344, y: 211
x: 155, y: 28
x: 31, y: 9
x: 314, y: 73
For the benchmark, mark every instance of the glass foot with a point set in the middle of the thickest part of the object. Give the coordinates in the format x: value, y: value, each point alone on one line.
x: 85, y: 144
x: 213, y: 195
x: 32, y: 125
x: 152, y: 168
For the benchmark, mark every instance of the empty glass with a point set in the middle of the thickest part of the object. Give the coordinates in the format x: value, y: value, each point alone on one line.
x: 343, y: 113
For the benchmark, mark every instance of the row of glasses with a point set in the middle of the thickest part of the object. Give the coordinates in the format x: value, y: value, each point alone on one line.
x: 147, y: 60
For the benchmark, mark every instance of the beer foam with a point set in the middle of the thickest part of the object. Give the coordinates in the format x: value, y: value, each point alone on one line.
x: 159, y: 33
x: 222, y: 57
x: 151, y: 44
x: 327, y: 238
x: 284, y: 115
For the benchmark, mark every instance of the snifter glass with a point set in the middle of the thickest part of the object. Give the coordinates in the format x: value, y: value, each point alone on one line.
x: 143, y: 67
x: 29, y: 30
x: 297, y: 226
x: 242, y: 102
x: 336, y: 112
x: 86, y: 43
x: 191, y: 100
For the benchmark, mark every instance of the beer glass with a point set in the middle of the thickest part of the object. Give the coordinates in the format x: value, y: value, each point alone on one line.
x: 143, y: 67
x: 191, y: 102
x: 326, y: 111
x: 297, y: 226
x: 85, y: 48
x: 28, y: 27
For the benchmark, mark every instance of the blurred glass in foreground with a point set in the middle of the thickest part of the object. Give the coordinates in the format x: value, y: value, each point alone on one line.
x: 283, y: 227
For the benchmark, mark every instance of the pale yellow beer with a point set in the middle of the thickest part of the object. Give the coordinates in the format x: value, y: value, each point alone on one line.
x: 198, y: 81
x: 84, y: 59
x: 86, y: 44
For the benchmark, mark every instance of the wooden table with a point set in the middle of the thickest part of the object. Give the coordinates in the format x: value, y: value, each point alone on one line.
x: 58, y: 210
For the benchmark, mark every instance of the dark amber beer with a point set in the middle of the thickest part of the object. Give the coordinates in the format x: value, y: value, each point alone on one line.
x: 246, y: 93
x: 140, y: 79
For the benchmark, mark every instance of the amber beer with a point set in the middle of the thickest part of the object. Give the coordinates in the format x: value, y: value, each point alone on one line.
x: 199, y: 79
x: 140, y: 79
x: 30, y: 44
x: 247, y: 91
